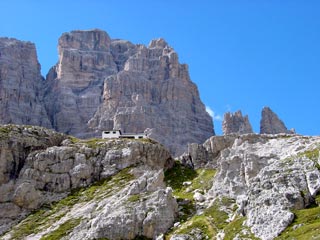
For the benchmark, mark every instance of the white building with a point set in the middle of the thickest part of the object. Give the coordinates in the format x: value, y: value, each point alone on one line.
x: 118, y: 134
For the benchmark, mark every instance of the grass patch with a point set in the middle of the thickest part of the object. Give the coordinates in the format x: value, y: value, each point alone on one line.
x: 198, y: 222
x: 312, y: 155
x: 31, y: 225
x: 235, y: 229
x: 134, y: 198
x: 63, y: 230
x: 200, y: 179
x: 210, y: 222
x: 176, y: 176
x: 5, y: 130
x: 94, y: 142
x: 306, y: 224
x: 51, y: 213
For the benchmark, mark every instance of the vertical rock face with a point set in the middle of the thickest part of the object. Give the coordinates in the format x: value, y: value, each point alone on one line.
x: 154, y: 91
x: 236, y: 123
x: 74, y: 85
x: 20, y: 83
x: 271, y: 124
x: 100, y: 84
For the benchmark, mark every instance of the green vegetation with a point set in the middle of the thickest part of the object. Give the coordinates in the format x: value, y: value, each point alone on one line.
x: 211, y: 221
x: 49, y: 214
x: 312, y: 155
x: 200, y: 179
x: 63, y: 230
x: 236, y: 229
x: 5, y: 130
x: 306, y: 224
x: 134, y: 198
x: 95, y: 142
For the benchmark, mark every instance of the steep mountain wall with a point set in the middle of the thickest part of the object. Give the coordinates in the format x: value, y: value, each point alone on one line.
x: 102, y: 84
x: 20, y: 84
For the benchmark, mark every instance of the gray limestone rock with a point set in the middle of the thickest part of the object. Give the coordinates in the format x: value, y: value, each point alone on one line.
x: 236, y: 123
x: 38, y: 167
x: 267, y: 175
x: 271, y: 124
x: 74, y: 85
x: 20, y: 84
x: 154, y: 92
x: 102, y: 84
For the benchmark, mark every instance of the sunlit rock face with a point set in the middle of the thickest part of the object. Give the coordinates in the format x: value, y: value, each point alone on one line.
x: 271, y: 124
x: 20, y: 84
x: 235, y: 123
x: 101, y: 84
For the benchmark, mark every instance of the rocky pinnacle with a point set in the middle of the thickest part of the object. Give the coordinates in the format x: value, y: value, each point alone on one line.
x: 236, y: 123
x: 271, y: 124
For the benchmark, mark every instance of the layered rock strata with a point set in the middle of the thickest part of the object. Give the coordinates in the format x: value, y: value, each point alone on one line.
x: 20, y: 84
x: 235, y: 123
x: 102, y: 84
x: 128, y: 200
x: 271, y: 124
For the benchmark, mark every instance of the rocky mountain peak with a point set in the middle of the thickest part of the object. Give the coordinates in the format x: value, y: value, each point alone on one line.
x: 94, y: 39
x: 271, y: 124
x: 236, y: 123
x: 111, y: 84
x: 158, y: 43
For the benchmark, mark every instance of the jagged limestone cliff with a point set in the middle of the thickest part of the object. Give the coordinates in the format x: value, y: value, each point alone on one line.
x: 20, y: 84
x: 104, y: 84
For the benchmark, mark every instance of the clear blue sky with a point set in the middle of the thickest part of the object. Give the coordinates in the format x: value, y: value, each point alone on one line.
x: 242, y: 54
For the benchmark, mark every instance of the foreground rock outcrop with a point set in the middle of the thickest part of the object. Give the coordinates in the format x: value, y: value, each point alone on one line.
x: 236, y: 124
x: 20, y: 84
x: 102, y: 84
x: 267, y: 177
x: 117, y: 188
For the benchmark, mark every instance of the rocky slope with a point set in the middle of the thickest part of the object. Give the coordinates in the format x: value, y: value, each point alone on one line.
x: 117, y: 188
x: 102, y: 84
x: 246, y: 186
x: 262, y: 183
x: 20, y: 84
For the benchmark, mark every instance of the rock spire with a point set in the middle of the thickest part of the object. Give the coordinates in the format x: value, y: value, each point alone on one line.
x: 236, y: 123
x: 271, y: 124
